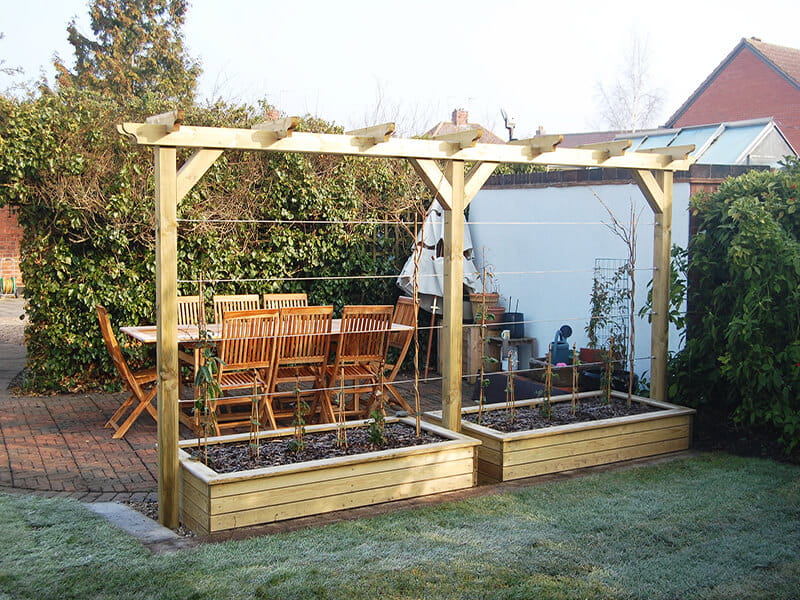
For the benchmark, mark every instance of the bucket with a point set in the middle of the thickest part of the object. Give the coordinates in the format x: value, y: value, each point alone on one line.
x: 515, y: 323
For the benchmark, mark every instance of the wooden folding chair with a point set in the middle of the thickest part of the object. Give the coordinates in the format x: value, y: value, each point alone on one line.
x: 359, y: 358
x: 140, y: 399
x: 405, y: 313
x: 302, y: 356
x: 247, y: 353
x: 189, y: 313
x: 235, y: 303
x: 285, y: 300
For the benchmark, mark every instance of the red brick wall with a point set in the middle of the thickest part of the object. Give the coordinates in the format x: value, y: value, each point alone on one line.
x: 10, y: 238
x: 747, y: 88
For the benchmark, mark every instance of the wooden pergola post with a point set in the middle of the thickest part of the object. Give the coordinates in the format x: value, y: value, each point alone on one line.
x: 453, y: 308
x: 167, y: 332
x: 657, y: 187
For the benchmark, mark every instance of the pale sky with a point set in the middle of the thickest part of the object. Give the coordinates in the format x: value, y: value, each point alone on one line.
x: 541, y: 61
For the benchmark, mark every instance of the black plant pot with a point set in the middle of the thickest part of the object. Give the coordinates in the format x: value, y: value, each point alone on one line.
x: 591, y: 379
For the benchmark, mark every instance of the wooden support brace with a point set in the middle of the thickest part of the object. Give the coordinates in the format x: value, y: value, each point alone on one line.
x: 608, y: 149
x: 652, y: 191
x: 539, y: 144
x: 194, y: 168
x: 462, y: 139
x: 477, y: 176
x: 376, y: 134
x: 434, y: 179
x: 282, y: 128
x: 171, y: 120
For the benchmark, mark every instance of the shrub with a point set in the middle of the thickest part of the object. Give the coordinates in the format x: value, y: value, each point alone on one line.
x: 742, y: 357
x: 85, y: 200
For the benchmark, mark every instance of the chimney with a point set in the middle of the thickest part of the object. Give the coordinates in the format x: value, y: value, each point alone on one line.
x: 460, y: 117
x: 540, y: 130
x: 272, y: 114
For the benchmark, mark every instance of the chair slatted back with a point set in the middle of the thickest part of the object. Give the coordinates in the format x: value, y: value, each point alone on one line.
x: 234, y: 303
x: 285, y: 300
x: 188, y: 310
x: 249, y: 340
x: 405, y: 313
x: 116, y: 354
x: 364, y: 334
x: 305, y: 335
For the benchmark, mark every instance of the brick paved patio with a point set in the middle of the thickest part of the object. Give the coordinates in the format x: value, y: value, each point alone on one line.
x: 57, y: 445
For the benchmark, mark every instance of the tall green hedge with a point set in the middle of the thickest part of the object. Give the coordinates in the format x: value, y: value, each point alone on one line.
x: 85, y: 200
x: 742, y: 357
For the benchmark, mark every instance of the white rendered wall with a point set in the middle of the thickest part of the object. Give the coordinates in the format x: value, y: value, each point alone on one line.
x: 548, y: 265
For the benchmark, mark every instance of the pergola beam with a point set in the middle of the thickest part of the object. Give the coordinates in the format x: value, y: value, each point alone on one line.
x: 327, y: 143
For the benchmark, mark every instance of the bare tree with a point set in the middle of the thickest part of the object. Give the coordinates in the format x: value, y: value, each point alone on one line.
x: 630, y: 102
x: 3, y: 68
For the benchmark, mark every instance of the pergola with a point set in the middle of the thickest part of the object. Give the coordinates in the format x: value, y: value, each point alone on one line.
x: 652, y: 169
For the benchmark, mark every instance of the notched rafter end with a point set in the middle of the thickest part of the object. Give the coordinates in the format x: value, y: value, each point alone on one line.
x: 282, y: 128
x: 171, y: 120
x: 539, y: 144
x: 375, y: 134
x: 670, y: 153
x: 609, y: 148
x: 463, y: 139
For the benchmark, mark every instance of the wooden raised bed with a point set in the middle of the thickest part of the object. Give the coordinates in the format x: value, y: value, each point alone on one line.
x: 506, y: 456
x: 211, y: 501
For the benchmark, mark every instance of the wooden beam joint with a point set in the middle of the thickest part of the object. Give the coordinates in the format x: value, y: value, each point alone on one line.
x: 171, y: 120
x: 376, y: 134
x: 461, y: 139
x: 281, y: 128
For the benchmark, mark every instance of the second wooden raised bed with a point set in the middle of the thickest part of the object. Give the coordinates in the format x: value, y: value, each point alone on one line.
x: 505, y: 456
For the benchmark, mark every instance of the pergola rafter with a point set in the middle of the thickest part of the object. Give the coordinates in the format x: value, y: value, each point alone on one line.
x: 652, y: 170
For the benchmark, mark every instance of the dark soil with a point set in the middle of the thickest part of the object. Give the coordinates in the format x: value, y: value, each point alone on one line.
x: 587, y: 409
x: 228, y: 458
x: 716, y: 431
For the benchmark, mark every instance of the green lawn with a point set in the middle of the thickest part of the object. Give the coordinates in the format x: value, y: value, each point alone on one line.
x: 713, y: 526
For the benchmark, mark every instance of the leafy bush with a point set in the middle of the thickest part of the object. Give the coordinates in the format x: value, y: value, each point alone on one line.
x: 742, y: 357
x: 256, y: 222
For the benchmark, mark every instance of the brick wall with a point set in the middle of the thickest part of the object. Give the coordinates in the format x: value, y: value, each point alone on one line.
x: 747, y: 88
x: 10, y: 238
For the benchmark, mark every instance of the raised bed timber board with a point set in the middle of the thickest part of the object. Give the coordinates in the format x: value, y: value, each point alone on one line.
x: 211, y: 501
x: 506, y: 456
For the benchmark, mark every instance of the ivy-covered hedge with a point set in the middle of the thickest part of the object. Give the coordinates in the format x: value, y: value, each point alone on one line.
x: 742, y: 357
x: 85, y: 200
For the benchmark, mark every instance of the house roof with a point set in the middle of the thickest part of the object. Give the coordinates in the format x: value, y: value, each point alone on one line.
x: 785, y: 61
x: 459, y: 122
x: 732, y: 143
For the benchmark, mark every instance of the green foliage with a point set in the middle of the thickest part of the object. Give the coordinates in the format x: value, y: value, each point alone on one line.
x: 256, y: 223
x: 742, y: 358
x: 137, y: 50
x: 678, y: 268
x: 377, y: 428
